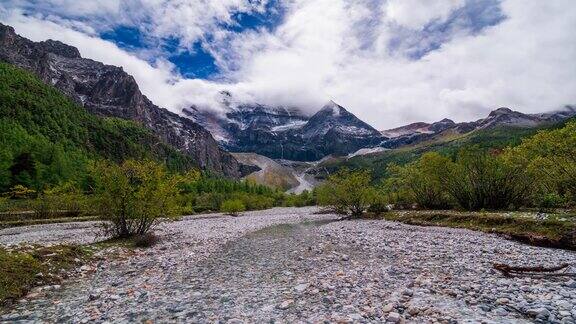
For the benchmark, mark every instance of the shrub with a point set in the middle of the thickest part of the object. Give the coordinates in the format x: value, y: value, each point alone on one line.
x: 43, y: 207
x: 347, y: 192
x: 133, y: 196
x: 422, y: 181
x: 550, y: 158
x: 480, y: 180
x: 232, y: 207
x: 20, y: 192
x: 67, y: 199
x: 17, y: 273
x: 549, y: 201
x: 3, y: 204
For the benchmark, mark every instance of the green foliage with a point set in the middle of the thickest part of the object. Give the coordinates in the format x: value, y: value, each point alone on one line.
x: 550, y: 157
x: 19, y: 267
x: 485, y: 180
x: 301, y: 200
x: 133, y: 196
x: 232, y: 207
x: 20, y: 192
x: 347, y: 192
x: 17, y: 273
x: 46, y: 139
x: 422, y: 181
x: 549, y: 233
x: 447, y: 145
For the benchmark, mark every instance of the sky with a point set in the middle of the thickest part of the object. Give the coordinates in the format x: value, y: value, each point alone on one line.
x: 390, y: 62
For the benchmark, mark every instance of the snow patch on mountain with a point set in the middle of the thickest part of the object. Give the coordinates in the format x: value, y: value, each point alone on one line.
x: 296, y: 124
x: 367, y: 151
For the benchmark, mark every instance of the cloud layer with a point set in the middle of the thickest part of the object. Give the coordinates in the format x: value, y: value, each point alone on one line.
x: 390, y: 62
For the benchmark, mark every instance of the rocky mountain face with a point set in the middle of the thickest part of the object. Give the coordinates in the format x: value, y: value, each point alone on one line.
x: 419, y: 132
x: 287, y: 133
x: 109, y: 91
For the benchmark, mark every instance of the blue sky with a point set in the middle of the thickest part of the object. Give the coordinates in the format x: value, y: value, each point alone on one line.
x: 390, y: 62
x: 194, y: 59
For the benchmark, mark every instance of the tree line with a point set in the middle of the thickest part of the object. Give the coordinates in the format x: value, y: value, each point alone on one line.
x: 538, y: 173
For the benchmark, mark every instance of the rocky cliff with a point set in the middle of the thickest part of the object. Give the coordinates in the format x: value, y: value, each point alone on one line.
x: 109, y: 91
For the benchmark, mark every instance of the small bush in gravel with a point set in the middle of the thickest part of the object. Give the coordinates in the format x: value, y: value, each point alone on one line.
x: 147, y: 240
x: 233, y: 207
x: 30, y: 265
x: 133, y: 196
x: 347, y: 192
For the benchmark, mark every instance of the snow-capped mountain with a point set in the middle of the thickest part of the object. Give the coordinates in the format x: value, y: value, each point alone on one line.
x: 419, y: 132
x: 286, y: 133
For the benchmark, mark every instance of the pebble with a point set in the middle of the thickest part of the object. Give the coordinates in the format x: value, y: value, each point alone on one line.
x: 286, y: 304
x: 393, y: 317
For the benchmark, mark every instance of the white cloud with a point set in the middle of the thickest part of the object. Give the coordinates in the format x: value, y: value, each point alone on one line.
x: 187, y: 20
x: 159, y: 81
x: 339, y: 49
x: 417, y: 13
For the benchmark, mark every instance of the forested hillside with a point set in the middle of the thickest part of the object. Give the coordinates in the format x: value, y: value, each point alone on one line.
x: 447, y: 144
x: 46, y: 139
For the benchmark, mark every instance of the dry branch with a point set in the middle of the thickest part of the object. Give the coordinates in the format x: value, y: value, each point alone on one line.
x: 537, y: 271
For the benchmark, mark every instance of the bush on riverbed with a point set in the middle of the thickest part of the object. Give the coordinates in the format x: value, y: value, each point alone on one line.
x: 24, y: 267
x: 347, y: 192
x: 232, y: 207
x: 133, y: 196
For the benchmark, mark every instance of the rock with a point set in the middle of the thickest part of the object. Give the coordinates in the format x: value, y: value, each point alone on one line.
x: 301, y: 288
x: 393, y: 317
x: 500, y: 311
x: 388, y: 308
x: 413, y: 311
x: 502, y: 301
x: 286, y: 304
x: 567, y: 320
x: 113, y: 297
x: 356, y: 317
x: 571, y: 283
x: 564, y: 305
x: 85, y: 268
x: 539, y: 312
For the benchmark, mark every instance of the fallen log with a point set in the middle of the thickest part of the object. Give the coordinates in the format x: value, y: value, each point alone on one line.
x: 537, y: 271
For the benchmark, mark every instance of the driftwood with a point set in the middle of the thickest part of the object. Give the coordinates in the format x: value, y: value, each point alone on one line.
x: 538, y: 271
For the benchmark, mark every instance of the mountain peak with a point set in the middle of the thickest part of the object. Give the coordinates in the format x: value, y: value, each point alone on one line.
x: 59, y: 48
x: 333, y: 108
x: 501, y: 111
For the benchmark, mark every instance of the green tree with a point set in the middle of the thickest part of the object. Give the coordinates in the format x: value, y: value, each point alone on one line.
x: 232, y: 207
x: 133, y: 196
x: 422, y: 180
x: 485, y: 180
x: 347, y: 192
x: 550, y: 157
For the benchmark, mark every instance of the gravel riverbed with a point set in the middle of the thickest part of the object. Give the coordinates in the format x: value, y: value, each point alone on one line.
x: 290, y: 265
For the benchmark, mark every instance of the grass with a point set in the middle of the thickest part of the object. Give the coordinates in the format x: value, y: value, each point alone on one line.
x: 15, y: 223
x: 28, y: 266
x: 551, y: 232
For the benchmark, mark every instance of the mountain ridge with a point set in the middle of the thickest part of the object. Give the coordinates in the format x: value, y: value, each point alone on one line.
x: 287, y: 133
x: 107, y: 90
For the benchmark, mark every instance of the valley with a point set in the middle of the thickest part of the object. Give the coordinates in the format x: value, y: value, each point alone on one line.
x: 238, y: 199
